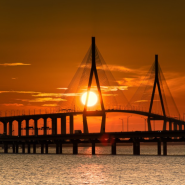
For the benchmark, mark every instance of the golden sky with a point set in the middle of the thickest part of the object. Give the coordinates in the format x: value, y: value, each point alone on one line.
x: 42, y: 43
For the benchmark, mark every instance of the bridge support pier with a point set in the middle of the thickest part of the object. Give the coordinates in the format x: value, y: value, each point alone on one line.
x: 164, y: 125
x: 36, y: 127
x: 63, y: 125
x: 46, y: 146
x: 57, y: 147
x: 164, y: 148
x: 27, y: 127
x: 16, y: 148
x: 28, y: 145
x: 60, y: 148
x: 136, y: 147
x: 23, y: 148
x: 5, y: 147
x: 114, y: 147
x: 10, y: 128
x: 103, y: 124
x: 71, y: 124
x: 54, y: 126
x: 93, y: 147
x: 149, y: 124
x: 170, y: 125
x: 5, y: 128
x: 180, y: 126
x: 159, y: 147
x: 85, y: 128
x: 45, y: 126
x: 175, y: 128
x: 42, y: 148
x: 13, y: 147
x: 19, y: 128
x: 34, y: 148
x: 75, y: 147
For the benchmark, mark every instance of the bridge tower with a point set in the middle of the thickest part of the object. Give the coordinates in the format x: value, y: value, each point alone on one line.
x: 94, y: 71
x: 156, y: 83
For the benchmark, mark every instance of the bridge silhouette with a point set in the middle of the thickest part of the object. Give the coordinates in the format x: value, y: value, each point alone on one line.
x: 93, y: 74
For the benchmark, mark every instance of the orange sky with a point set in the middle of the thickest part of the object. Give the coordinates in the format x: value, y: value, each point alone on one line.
x: 43, y: 42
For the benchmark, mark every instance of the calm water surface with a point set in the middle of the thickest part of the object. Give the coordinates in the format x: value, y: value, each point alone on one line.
x: 103, y: 168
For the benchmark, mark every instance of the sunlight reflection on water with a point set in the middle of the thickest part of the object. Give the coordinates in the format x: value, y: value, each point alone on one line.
x: 102, y: 168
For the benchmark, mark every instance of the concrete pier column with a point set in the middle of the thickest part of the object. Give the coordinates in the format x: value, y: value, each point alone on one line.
x: 170, y: 125
x: 164, y: 148
x: 10, y: 128
x: 93, y: 147
x: 27, y: 127
x: 5, y: 128
x: 54, y: 126
x: 19, y: 128
x: 23, y: 148
x: 34, y: 148
x: 180, y: 126
x: 71, y: 124
x: 103, y: 124
x: 28, y: 145
x: 60, y: 148
x: 114, y: 148
x: 36, y: 127
x: 75, y: 147
x: 46, y: 146
x: 149, y: 124
x: 13, y: 147
x: 42, y: 148
x: 136, y: 147
x: 5, y: 147
x: 164, y: 125
x: 45, y: 126
x: 63, y: 125
x: 17, y: 148
x: 159, y: 147
x: 57, y: 147
x: 175, y: 128
x: 85, y: 127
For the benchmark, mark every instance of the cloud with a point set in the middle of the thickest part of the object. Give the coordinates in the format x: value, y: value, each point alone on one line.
x: 57, y: 94
x: 21, y: 92
x: 50, y: 105
x: 120, y: 68
x: 113, y: 88
x: 13, y: 104
x: 62, y: 88
x: 131, y: 82
x: 15, y: 64
x: 47, y: 99
x: 176, y: 84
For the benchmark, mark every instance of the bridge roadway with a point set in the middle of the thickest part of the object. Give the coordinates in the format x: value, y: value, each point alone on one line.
x: 95, y: 136
x: 153, y: 116
x: 43, y: 141
x: 63, y: 115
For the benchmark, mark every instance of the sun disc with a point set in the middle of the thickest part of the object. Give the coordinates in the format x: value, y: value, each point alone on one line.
x: 92, y: 100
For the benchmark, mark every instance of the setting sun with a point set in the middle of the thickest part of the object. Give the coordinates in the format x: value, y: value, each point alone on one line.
x: 92, y: 100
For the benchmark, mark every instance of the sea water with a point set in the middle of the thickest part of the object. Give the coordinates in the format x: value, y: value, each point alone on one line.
x: 102, y: 168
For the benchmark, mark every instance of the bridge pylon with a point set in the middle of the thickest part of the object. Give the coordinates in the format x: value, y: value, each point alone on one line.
x: 156, y: 83
x: 94, y: 71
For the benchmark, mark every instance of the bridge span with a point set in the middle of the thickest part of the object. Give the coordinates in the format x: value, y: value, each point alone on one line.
x: 54, y: 116
x: 174, y: 133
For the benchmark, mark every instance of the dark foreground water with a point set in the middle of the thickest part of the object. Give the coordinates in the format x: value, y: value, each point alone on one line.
x: 103, y: 168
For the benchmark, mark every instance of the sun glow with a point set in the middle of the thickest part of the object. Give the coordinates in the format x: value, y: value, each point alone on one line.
x: 92, y: 100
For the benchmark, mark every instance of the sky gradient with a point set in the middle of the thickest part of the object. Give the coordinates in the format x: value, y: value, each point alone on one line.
x: 42, y: 43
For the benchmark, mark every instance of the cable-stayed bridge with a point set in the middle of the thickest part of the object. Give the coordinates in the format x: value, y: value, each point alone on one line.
x: 152, y: 100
